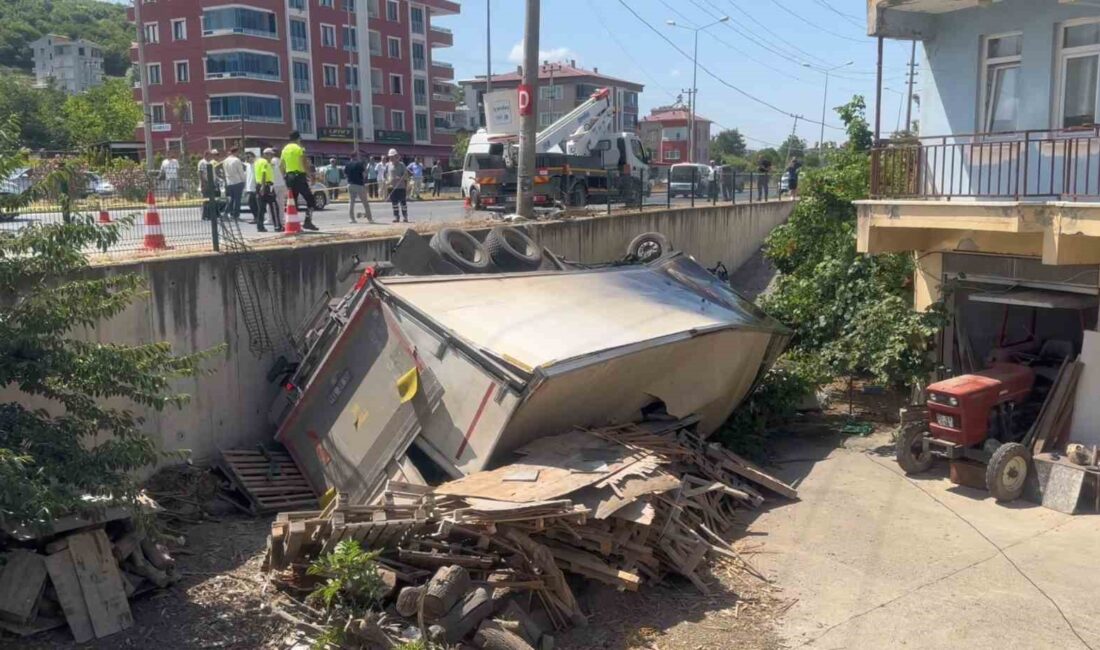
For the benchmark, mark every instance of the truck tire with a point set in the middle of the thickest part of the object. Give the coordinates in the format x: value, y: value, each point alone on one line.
x: 512, y: 250
x: 578, y: 196
x: 648, y: 246
x: 461, y: 249
x: 910, y: 452
x: 475, y: 200
x: 1007, y: 471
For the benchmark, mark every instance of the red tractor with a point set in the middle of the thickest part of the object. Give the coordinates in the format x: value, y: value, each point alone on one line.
x: 985, y: 416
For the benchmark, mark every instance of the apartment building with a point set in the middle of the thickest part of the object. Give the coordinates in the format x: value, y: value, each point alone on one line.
x: 562, y: 87
x: 665, y: 133
x: 998, y: 198
x: 74, y: 65
x: 222, y: 72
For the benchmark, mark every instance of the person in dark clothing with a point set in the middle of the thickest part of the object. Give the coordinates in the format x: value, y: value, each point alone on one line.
x: 437, y: 178
x: 763, y: 177
x: 792, y: 177
x: 355, y: 171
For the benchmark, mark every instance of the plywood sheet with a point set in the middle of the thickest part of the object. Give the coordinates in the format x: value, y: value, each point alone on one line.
x: 21, y: 585
x: 101, y: 583
x: 1085, y: 425
x: 67, y: 586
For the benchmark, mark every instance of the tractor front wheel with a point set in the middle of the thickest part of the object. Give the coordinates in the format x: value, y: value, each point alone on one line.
x: 1007, y: 471
x: 910, y: 451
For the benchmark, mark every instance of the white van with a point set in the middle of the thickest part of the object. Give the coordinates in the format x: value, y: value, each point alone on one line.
x: 685, y: 179
x: 478, y: 153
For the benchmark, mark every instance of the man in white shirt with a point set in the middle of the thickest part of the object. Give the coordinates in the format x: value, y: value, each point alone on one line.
x: 250, y: 184
x: 234, y: 172
x: 170, y: 172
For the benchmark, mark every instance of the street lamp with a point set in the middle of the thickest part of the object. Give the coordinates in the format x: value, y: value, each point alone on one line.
x: 825, y: 100
x: 694, y: 77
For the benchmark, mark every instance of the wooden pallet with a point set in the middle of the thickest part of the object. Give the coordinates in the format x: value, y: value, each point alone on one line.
x: 269, y: 480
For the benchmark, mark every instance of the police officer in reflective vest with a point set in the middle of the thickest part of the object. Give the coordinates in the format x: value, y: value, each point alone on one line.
x: 297, y: 176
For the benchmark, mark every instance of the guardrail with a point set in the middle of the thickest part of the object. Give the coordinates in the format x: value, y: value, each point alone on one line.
x: 1035, y: 164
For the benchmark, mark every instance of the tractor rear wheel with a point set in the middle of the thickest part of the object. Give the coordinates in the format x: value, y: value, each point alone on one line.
x: 1007, y: 471
x: 910, y: 452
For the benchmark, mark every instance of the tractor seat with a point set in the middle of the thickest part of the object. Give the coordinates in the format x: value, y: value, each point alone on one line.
x: 1051, y: 356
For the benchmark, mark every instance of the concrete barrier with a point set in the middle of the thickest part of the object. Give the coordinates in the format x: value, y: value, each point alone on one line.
x: 194, y: 305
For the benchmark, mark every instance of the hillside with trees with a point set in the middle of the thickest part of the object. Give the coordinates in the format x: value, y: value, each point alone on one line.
x: 23, y: 21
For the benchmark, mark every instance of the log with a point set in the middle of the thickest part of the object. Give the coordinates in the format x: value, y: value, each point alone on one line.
x: 126, y: 544
x: 464, y: 617
x: 157, y: 555
x: 491, y: 636
x: 408, y: 601
x: 367, y: 633
x: 143, y: 568
x: 447, y: 586
x: 529, y: 629
x: 389, y: 581
x: 541, y: 557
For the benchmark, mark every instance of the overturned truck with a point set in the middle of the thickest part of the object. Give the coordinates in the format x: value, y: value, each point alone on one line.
x: 430, y: 377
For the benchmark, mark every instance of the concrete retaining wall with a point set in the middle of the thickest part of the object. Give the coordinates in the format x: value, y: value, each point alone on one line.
x: 193, y: 304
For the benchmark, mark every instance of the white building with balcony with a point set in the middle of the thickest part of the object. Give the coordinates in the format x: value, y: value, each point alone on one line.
x: 74, y: 65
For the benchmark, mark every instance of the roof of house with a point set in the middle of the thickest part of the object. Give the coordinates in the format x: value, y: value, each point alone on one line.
x: 59, y: 38
x: 565, y: 70
x: 670, y: 114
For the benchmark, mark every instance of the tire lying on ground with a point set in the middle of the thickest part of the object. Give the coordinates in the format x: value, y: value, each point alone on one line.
x: 648, y: 246
x: 461, y: 249
x: 512, y: 250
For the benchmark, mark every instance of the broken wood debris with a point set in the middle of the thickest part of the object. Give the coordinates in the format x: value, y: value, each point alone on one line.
x: 265, y: 480
x: 623, y: 505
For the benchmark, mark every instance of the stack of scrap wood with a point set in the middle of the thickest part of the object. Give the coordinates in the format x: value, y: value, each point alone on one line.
x: 622, y: 505
x: 79, y: 571
x: 263, y: 480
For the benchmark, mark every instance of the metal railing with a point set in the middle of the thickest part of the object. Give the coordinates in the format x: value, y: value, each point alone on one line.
x: 1035, y: 164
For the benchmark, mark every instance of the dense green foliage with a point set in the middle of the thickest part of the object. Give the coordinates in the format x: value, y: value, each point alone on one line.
x: 51, y: 120
x: 104, y: 113
x: 104, y: 23
x: 352, y: 583
x: 850, y: 312
x: 458, y: 150
x: 775, y: 399
x: 37, y: 111
x: 80, y: 447
x: 728, y: 143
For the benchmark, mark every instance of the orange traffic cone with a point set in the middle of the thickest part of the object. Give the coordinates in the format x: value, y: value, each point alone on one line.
x: 293, y: 221
x: 154, y: 236
x: 104, y: 217
x: 467, y: 203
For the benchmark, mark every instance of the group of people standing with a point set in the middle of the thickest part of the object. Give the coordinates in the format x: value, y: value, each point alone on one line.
x: 723, y: 179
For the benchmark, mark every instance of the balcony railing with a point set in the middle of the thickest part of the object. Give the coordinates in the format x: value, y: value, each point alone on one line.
x: 1037, y: 164
x: 442, y: 30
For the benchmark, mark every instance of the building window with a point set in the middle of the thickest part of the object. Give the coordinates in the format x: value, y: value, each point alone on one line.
x: 392, y: 13
x: 299, y: 36
x: 672, y: 154
x: 303, y: 117
x: 375, y: 43
x: 444, y: 122
x: 397, y: 120
x: 396, y: 85
x: 252, y: 108
x: 420, y: 91
x: 239, y: 20
x: 416, y: 17
x: 351, y: 76
x: 420, y: 60
x: 378, y: 116
x: 1000, y: 72
x: 1079, y: 67
x: 372, y: 8
x: 156, y: 113
x: 152, y: 32
x: 546, y: 118
x: 299, y: 5
x: 325, y: 3
x: 301, y: 76
x: 152, y: 73
x: 242, y: 64
x: 420, y: 124
x: 376, y: 81
x: 183, y: 72
x: 354, y: 116
x: 328, y: 35
x: 349, y: 5
x: 550, y: 92
x: 183, y: 112
x: 630, y: 121
x: 351, y: 39
x: 179, y: 29
x: 394, y: 46
x: 332, y: 115
x: 329, y: 73
x: 630, y: 99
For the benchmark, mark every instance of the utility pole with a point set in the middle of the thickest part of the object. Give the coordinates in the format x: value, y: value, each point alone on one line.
x: 691, y: 122
x: 694, y: 79
x: 794, y: 132
x: 143, y: 78
x: 356, y: 112
x: 551, y: 68
x: 242, y: 129
x: 488, y: 46
x: 529, y: 118
x: 912, y: 74
x: 878, y: 96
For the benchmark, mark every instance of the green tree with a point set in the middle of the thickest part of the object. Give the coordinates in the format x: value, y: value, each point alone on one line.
x: 76, y: 452
x: 35, y: 111
x: 103, y: 23
x: 458, y: 150
x: 106, y: 112
x: 728, y: 143
x: 792, y: 147
x: 853, y: 114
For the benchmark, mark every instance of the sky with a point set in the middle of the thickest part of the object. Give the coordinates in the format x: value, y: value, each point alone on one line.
x: 759, y: 50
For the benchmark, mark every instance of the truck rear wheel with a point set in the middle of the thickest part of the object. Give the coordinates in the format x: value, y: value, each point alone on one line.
x: 461, y: 249
x: 648, y: 246
x: 1007, y: 471
x: 512, y: 250
x: 910, y: 453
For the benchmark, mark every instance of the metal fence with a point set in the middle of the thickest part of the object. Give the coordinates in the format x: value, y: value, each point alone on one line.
x: 1037, y: 164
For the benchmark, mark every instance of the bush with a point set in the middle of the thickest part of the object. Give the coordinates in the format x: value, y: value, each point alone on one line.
x: 352, y: 582
x: 774, y: 400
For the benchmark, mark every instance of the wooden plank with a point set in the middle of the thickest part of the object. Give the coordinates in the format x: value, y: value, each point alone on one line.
x: 295, y: 537
x: 101, y: 583
x: 69, y: 594
x: 21, y: 585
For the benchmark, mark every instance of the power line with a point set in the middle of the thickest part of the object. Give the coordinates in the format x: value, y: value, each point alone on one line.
x: 768, y: 30
x: 848, y: 17
x: 711, y: 74
x: 819, y: 27
x: 644, y: 69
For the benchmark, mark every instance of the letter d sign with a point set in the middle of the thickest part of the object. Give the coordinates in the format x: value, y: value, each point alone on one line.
x: 524, y: 92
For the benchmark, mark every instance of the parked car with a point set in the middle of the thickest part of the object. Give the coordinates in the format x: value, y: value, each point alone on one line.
x: 8, y: 189
x: 686, y: 179
x: 785, y: 183
x: 99, y: 186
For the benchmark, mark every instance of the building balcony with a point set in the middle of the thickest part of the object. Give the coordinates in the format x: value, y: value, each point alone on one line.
x: 442, y: 70
x: 442, y: 7
x: 440, y: 37
x: 904, y: 18
x: 1031, y: 193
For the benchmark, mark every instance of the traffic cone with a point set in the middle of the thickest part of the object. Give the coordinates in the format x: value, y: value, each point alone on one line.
x: 468, y: 204
x: 154, y: 236
x: 293, y: 221
x: 104, y: 217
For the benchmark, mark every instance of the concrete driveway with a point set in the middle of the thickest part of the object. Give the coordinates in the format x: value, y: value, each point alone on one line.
x: 879, y: 560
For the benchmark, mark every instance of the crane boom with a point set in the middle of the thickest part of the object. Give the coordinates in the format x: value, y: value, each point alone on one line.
x: 571, y: 133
